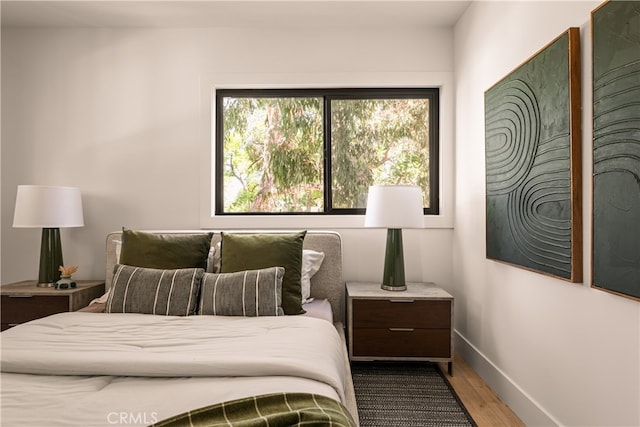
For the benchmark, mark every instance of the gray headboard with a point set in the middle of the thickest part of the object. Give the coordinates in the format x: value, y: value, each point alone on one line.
x: 326, y: 283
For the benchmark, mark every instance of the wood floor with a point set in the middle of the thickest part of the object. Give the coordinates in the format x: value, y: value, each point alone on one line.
x: 484, y: 406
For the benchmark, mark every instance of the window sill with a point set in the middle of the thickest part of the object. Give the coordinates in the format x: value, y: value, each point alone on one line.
x: 304, y: 221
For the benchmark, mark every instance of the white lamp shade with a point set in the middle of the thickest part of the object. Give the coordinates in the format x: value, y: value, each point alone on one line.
x: 394, y: 206
x: 42, y: 206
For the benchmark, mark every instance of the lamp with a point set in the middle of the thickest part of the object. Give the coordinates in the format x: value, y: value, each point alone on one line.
x: 49, y: 208
x: 394, y: 207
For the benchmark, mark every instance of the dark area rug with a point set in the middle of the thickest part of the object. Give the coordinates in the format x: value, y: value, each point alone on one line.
x: 395, y: 394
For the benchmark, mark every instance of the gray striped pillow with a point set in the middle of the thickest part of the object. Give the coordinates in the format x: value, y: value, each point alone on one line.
x: 154, y: 291
x: 248, y: 293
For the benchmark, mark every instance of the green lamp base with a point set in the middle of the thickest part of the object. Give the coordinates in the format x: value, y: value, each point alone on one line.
x: 393, y: 278
x: 50, y: 258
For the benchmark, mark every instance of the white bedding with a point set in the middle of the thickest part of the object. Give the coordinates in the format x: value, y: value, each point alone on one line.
x: 314, y: 307
x: 319, y: 308
x: 94, y: 369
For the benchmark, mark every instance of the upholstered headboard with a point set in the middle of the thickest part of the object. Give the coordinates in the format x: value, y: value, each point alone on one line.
x: 326, y: 283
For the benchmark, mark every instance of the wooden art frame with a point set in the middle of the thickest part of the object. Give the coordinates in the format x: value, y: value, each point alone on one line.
x: 615, y: 34
x: 533, y: 163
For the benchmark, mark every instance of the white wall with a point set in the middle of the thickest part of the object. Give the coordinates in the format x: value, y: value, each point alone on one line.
x: 119, y: 113
x: 124, y: 114
x: 557, y: 353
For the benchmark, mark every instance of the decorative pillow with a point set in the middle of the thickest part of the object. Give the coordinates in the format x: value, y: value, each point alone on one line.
x: 213, y: 258
x: 217, y: 261
x: 154, y: 291
x: 311, y: 262
x: 241, y: 252
x: 248, y: 293
x: 165, y: 251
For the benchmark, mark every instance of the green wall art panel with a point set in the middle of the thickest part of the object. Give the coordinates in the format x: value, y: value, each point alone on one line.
x: 533, y: 155
x: 615, y: 29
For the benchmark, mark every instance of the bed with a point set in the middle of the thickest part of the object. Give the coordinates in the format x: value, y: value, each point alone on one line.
x: 133, y: 368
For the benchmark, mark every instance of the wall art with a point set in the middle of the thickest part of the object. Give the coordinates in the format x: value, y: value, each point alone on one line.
x: 615, y: 29
x: 533, y: 163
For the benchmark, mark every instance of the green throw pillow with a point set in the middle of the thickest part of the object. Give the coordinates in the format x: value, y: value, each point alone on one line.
x: 154, y: 291
x: 255, y: 251
x: 248, y: 293
x: 165, y: 251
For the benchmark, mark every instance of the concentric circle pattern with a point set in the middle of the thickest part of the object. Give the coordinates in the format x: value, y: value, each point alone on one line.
x: 528, y: 181
x: 512, y: 133
x: 539, y: 213
x: 616, y: 148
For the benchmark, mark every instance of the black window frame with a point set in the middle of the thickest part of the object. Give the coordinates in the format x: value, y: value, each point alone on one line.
x: 431, y: 93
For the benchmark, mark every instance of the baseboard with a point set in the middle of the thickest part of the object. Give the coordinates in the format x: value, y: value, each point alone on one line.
x: 524, y: 406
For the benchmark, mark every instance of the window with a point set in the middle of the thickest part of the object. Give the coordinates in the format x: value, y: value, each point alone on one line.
x: 317, y: 151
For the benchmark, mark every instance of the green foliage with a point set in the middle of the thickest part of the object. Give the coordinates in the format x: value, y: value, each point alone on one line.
x: 273, y: 151
x: 377, y: 141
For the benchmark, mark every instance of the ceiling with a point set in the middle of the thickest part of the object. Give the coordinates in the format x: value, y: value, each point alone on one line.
x: 232, y: 13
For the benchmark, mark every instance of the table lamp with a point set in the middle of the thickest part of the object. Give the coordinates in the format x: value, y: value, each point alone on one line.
x: 49, y: 208
x: 394, y: 207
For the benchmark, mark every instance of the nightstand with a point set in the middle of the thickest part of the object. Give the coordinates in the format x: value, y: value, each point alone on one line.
x: 24, y: 301
x: 416, y: 324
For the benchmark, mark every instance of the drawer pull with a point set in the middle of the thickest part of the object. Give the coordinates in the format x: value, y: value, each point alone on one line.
x: 20, y: 296
x: 401, y: 329
x: 11, y: 325
x: 401, y: 300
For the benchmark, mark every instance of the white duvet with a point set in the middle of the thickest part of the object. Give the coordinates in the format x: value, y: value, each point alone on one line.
x: 130, y: 369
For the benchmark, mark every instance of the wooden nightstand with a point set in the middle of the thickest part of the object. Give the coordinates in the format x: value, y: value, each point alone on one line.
x: 416, y: 324
x: 24, y: 301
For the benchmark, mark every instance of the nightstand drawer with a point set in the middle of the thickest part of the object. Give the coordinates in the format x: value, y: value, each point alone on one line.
x: 401, y: 313
x: 398, y: 342
x: 21, y: 309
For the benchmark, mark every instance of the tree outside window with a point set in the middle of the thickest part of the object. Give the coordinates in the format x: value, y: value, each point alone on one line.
x: 277, y: 150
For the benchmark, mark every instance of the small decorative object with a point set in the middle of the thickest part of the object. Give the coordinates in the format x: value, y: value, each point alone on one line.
x: 533, y: 163
x: 49, y: 208
x: 615, y: 30
x: 65, y: 281
x: 394, y: 207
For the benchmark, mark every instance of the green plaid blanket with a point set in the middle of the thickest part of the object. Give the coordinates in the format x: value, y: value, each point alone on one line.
x: 269, y: 410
